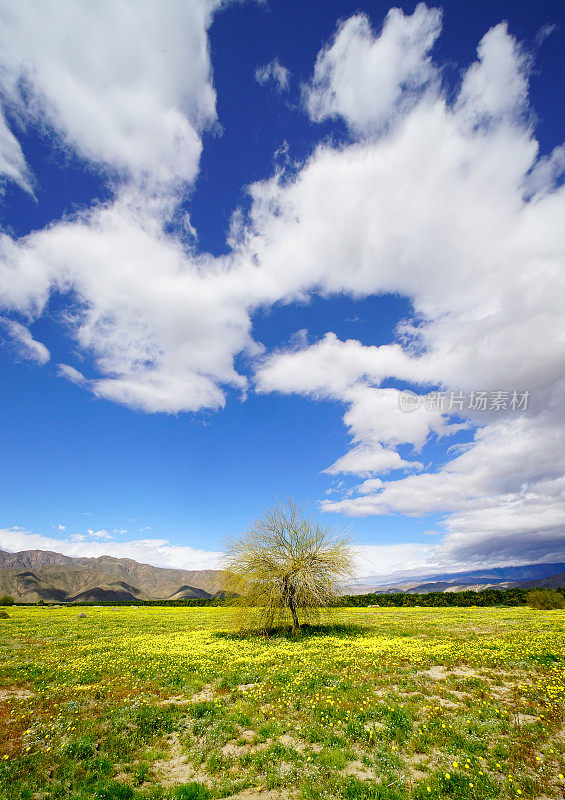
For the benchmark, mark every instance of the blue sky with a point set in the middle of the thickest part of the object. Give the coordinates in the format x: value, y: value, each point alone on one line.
x: 233, y: 237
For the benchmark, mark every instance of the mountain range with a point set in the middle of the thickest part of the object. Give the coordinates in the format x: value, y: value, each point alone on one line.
x: 32, y: 575
x: 524, y: 576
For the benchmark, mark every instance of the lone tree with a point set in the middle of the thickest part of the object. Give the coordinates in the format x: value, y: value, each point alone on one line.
x: 286, y: 565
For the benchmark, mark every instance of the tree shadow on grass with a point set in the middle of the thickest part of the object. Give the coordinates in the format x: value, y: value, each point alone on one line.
x: 307, y: 631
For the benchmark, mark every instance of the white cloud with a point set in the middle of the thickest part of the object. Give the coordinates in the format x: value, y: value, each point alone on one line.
x: 546, y: 173
x: 451, y: 209
x: 101, y: 534
x: 385, y: 560
x: 368, y: 79
x: 161, y: 325
x: 13, y: 165
x: 24, y: 343
x: 273, y: 72
x: 496, y: 85
x: 131, y: 91
x: 458, y: 551
x: 71, y: 374
x: 127, y: 85
x: 61, y: 527
x: 443, y: 202
x: 158, y: 552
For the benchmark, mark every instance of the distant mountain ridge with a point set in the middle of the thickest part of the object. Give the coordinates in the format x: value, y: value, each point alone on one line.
x: 32, y: 575
x: 525, y: 576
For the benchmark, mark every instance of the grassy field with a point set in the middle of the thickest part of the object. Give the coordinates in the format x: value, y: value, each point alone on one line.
x: 388, y: 703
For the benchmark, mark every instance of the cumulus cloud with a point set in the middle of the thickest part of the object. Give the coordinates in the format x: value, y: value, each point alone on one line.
x: 451, y: 208
x: 444, y: 202
x: 158, y: 552
x: 368, y: 79
x: 275, y: 73
x: 496, y: 86
x: 127, y: 85
x: 162, y: 327
x: 101, y: 534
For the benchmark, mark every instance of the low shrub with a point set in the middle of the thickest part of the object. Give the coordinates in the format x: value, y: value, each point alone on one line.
x: 545, y: 599
x: 192, y: 791
x: 6, y: 600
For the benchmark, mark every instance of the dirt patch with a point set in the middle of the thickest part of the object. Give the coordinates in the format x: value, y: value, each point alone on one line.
x: 525, y: 719
x: 14, y: 694
x: 358, y: 770
x: 463, y: 672
x: 233, y: 749
x: 177, y: 700
x: 435, y: 673
x: 207, y: 693
x: 500, y: 692
x: 439, y: 673
x: 175, y: 770
x: 414, y: 763
x: 290, y: 741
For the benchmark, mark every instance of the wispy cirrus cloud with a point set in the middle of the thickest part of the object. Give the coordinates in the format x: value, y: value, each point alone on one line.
x: 274, y: 73
x: 23, y: 342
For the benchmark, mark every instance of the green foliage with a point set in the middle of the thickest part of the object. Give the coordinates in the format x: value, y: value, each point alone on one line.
x: 465, y: 599
x: 192, y: 791
x: 115, y: 791
x: 545, y: 599
x: 286, y: 564
x: 6, y: 600
x: 4, y: 615
x: 399, y: 724
x: 204, y: 709
x: 80, y: 749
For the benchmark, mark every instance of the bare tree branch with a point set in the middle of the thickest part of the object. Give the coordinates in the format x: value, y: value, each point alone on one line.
x: 286, y: 565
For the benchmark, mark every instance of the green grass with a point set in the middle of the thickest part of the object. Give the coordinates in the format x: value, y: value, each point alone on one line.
x: 174, y: 704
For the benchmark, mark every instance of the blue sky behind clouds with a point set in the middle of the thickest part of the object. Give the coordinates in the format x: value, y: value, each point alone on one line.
x: 234, y: 233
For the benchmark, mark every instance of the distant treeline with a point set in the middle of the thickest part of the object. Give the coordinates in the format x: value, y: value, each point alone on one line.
x: 190, y: 601
x: 485, y: 597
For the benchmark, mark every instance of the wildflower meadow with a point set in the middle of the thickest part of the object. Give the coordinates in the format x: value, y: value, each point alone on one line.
x: 390, y: 703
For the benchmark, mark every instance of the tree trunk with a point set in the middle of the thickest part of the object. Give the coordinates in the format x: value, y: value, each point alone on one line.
x: 288, y: 591
x: 295, y: 623
x: 269, y: 622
